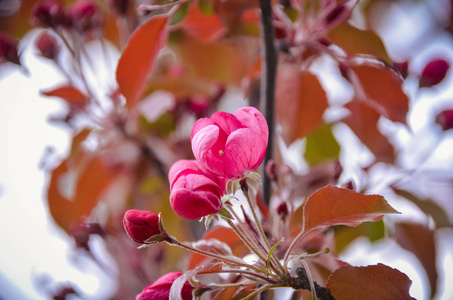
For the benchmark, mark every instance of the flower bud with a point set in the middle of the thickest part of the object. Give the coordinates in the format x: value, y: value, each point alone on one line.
x: 47, y: 46
x: 160, y: 290
x: 194, y: 195
x: 48, y: 14
x: 121, y: 7
x: 141, y: 225
x: 8, y: 49
x: 445, y: 119
x: 402, y: 68
x: 84, y: 16
x: 433, y: 73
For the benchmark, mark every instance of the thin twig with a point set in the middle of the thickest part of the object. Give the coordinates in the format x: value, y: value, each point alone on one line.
x: 269, y: 63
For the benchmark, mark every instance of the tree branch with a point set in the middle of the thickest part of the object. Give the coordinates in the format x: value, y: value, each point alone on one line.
x: 269, y: 63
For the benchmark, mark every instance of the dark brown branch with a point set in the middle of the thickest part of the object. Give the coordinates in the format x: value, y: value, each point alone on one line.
x: 269, y: 63
x: 302, y: 282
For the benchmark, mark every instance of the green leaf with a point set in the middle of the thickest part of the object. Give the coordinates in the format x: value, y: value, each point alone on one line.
x: 206, y: 7
x: 344, y: 235
x: 321, y: 146
x: 356, y: 41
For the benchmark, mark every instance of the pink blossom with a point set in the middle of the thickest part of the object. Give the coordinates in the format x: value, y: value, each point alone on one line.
x: 231, y: 145
x: 194, y: 165
x: 160, y: 290
x: 193, y: 195
x: 140, y: 225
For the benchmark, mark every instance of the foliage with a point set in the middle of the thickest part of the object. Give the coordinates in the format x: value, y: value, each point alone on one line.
x: 189, y: 59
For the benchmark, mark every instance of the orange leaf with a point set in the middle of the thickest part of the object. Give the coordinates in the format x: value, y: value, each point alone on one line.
x: 363, y: 121
x: 383, y: 86
x: 91, y: 182
x: 60, y: 207
x: 137, y: 59
x: 72, y: 95
x: 222, y: 61
x: 337, y: 206
x: 356, y: 41
x: 301, y: 102
x: 371, y: 283
x: 88, y: 184
x: 420, y: 240
x: 206, y: 28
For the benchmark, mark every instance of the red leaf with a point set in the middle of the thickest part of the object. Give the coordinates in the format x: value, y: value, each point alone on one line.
x: 206, y: 28
x: 363, y: 121
x: 70, y: 94
x: 420, y: 240
x: 301, y: 102
x: 337, y: 206
x: 371, y: 283
x: 356, y: 41
x: 382, y: 86
x: 137, y: 59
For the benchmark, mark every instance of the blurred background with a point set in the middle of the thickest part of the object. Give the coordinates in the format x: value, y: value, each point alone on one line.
x: 38, y: 259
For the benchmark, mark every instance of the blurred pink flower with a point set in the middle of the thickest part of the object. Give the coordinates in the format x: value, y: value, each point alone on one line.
x: 140, y: 225
x: 160, y: 290
x: 445, y: 119
x: 434, y: 72
x: 231, y: 145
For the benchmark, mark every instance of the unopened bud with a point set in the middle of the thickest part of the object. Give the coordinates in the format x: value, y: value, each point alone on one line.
x: 121, y: 7
x: 141, y: 225
x: 282, y: 210
x: 8, y: 49
x: 48, y: 14
x: 434, y: 73
x: 84, y: 16
x: 48, y: 46
x: 445, y: 119
x: 402, y: 68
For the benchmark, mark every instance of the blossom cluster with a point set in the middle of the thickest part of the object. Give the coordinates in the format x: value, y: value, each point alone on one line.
x: 226, y: 147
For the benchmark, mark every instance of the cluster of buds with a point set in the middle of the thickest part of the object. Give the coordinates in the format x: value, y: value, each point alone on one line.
x: 82, y: 15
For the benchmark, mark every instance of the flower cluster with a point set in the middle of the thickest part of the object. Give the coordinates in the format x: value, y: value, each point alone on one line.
x: 226, y: 147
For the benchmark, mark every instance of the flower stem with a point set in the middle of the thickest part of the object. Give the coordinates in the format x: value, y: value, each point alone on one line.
x: 246, y: 191
x: 173, y: 241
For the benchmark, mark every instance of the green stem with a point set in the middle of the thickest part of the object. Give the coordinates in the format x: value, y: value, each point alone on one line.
x: 173, y: 241
x: 249, y: 273
x: 302, y: 234
x: 245, y: 240
x: 274, y: 259
x: 262, y: 289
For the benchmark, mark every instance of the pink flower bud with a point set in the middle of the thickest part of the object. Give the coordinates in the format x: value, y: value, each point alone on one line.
x: 8, y: 49
x: 48, y: 14
x: 434, y: 73
x: 84, y: 16
x: 445, y: 119
x: 48, y: 46
x: 182, y: 165
x: 160, y: 290
x: 194, y: 195
x: 121, y: 7
x: 402, y: 68
x: 231, y: 145
x: 140, y: 225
